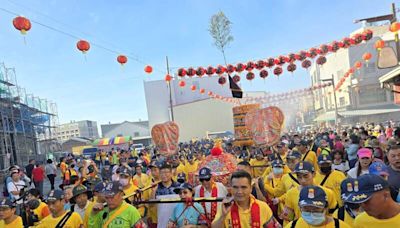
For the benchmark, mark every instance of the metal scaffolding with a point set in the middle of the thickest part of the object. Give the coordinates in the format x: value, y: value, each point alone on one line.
x: 27, y: 122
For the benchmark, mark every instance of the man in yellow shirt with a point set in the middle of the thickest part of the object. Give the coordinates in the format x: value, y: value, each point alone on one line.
x: 326, y: 177
x: 8, y: 218
x: 289, y: 180
x: 305, y: 174
x: 372, y: 192
x: 307, y: 155
x: 38, y: 208
x: 59, y: 216
x: 313, y: 205
x: 349, y: 211
x: 243, y: 209
x: 258, y: 161
x: 81, y: 204
x: 191, y: 168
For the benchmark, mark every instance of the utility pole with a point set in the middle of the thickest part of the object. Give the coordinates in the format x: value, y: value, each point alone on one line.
x: 170, y: 92
x: 332, y: 81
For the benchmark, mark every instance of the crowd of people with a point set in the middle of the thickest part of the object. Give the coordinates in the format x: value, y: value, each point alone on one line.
x: 325, y: 178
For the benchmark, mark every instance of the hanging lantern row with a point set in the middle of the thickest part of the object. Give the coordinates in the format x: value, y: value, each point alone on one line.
x: 394, y: 28
x: 357, y: 66
x: 23, y: 24
x: 278, y: 62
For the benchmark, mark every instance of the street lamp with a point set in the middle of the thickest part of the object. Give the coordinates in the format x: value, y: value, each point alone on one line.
x: 332, y: 81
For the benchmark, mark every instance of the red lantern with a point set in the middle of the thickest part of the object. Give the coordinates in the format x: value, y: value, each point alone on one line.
x: 250, y: 66
x: 182, y: 84
x: 379, y: 44
x: 220, y: 70
x: 83, y: 46
x: 367, y: 56
x: 395, y: 27
x: 278, y: 71
x: 291, y: 57
x: 321, y: 60
x: 301, y: 56
x: 191, y: 72
x: 222, y: 80
x: 240, y: 67
x: 236, y: 78
x: 358, y: 65
x: 312, y: 53
x: 250, y: 76
x: 306, y: 64
x: 263, y: 74
x: 367, y: 34
x: 148, y: 69
x: 346, y: 42
x: 22, y: 24
x: 168, y: 78
x: 193, y: 88
x: 260, y: 64
x: 210, y: 71
x: 210, y: 93
x: 351, y: 71
x: 122, y: 59
x: 200, y: 71
x: 323, y: 49
x: 202, y: 91
x: 358, y: 38
x: 230, y: 68
x: 291, y: 67
x: 182, y: 72
x: 335, y: 46
x: 270, y: 62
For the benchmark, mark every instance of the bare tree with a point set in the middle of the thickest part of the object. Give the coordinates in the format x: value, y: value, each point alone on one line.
x: 220, y: 30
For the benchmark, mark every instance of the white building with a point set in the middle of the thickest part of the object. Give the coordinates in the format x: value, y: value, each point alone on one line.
x: 126, y: 128
x: 195, y: 113
x: 361, y: 98
x: 84, y: 128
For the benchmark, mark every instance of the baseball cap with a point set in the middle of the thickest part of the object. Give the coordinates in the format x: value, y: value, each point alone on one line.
x: 303, y: 142
x: 304, y: 167
x: 294, y: 154
x: 313, y: 196
x: 80, y: 189
x: 378, y: 168
x: 364, y: 153
x: 183, y: 186
x: 347, y: 187
x: 189, y: 157
x: 125, y: 171
x: 156, y: 164
x: 55, y: 195
x: 112, y: 188
x: 181, y: 176
x: 205, y: 173
x: 277, y: 163
x: 365, y: 186
x: 7, y: 203
x: 323, y: 158
x: 99, y: 187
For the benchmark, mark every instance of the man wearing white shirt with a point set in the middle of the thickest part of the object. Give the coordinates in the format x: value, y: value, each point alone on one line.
x: 209, y: 188
x: 14, y: 188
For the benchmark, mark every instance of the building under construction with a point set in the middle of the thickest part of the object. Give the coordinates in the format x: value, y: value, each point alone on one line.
x: 27, y: 123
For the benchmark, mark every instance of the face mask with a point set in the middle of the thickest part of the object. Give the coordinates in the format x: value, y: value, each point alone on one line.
x: 325, y: 169
x: 315, y: 218
x: 277, y: 170
x: 124, y: 182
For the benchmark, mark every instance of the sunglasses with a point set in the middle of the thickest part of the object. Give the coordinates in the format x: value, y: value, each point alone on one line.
x: 207, y: 179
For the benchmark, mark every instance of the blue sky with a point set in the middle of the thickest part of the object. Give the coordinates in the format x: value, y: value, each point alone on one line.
x: 98, y: 89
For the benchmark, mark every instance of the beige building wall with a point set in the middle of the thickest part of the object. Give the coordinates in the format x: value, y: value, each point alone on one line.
x: 196, y: 118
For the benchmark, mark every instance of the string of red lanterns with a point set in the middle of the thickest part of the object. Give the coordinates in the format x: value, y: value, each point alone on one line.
x: 277, y: 62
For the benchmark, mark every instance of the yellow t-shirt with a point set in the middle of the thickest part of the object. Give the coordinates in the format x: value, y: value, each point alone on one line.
x: 293, y: 196
x: 245, y: 215
x: 143, y: 180
x: 74, y: 221
x: 42, y: 211
x: 129, y: 191
x: 285, y: 184
x: 258, y: 171
x: 347, y: 218
x: 333, y: 183
x: 17, y: 223
x: 301, y: 223
x: 190, y: 168
x: 312, y: 158
x: 363, y: 220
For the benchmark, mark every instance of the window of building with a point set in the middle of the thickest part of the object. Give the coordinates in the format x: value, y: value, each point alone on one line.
x: 342, y: 101
x: 372, y: 95
x: 135, y: 134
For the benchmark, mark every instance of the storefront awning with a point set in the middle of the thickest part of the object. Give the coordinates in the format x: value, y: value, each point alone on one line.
x: 389, y: 77
x: 330, y: 116
x: 111, y: 141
